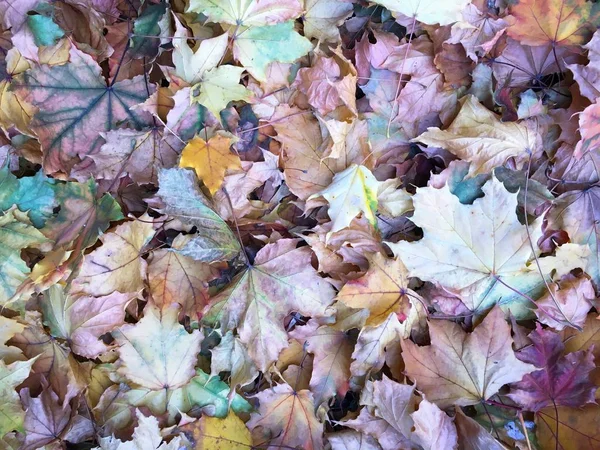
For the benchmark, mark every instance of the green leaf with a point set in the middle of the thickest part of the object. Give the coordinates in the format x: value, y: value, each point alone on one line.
x: 257, y: 47
x: 201, y: 392
x: 183, y: 199
x: 35, y: 195
x: 74, y: 106
x: 148, y: 24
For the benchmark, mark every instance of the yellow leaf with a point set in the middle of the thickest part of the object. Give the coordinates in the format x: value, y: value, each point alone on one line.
x: 14, y: 111
x: 210, y: 160
x: 212, y: 433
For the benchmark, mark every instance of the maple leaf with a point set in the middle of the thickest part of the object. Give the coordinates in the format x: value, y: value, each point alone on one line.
x: 306, y: 172
x: 210, y: 159
x: 184, y: 200
x: 8, y: 328
x: 329, y: 84
x: 280, y: 281
x: 146, y: 436
x: 387, y: 413
x: 563, y: 380
x: 473, y: 435
x: 175, y: 278
x: 351, y: 192
x: 486, y: 256
x: 578, y: 213
x: 247, y: 12
x: 288, y: 416
x: 139, y: 154
x: 13, y: 110
x: 231, y: 356
x: 589, y: 145
x: 202, y: 393
x: 117, y: 265
x: 157, y: 352
x: 47, y: 420
x: 350, y: 439
x: 33, y: 195
x: 53, y: 361
x: 16, y: 234
x: 11, y: 411
x: 219, y: 87
x: 83, y: 215
x: 569, y: 428
x: 588, y: 76
x: 567, y: 303
x: 191, y: 66
x: 464, y: 369
x: 257, y: 47
x: 560, y: 22
x: 433, y: 427
x: 427, y: 11
x: 74, y: 106
x: 322, y: 17
x: 218, y: 434
x: 82, y: 320
x: 331, y: 347
x: 478, y: 136
x: 382, y: 289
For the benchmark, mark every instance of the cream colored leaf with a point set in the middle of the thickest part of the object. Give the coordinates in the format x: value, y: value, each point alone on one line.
x: 430, y: 12
x: 477, y: 135
x: 434, y: 429
x: 117, y: 265
x: 352, y: 192
x: 481, y: 251
x: 157, y: 352
x: 191, y: 66
x: 146, y: 436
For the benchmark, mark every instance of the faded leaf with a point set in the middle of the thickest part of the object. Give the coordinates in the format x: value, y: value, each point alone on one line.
x: 464, y: 369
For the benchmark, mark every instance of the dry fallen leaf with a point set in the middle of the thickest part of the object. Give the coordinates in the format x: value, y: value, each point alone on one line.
x: 299, y: 224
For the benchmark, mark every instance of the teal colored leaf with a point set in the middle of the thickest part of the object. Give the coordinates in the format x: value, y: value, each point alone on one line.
x: 35, y: 195
x: 45, y: 31
x: 257, y: 47
x: 75, y: 106
x: 147, y: 24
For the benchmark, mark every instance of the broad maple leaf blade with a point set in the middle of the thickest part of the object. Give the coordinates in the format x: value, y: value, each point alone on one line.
x: 118, y: 264
x: 478, y: 136
x: 82, y: 320
x: 382, y: 290
x: 564, y: 379
x: 256, y: 302
x: 481, y: 251
x: 157, y: 352
x: 560, y: 22
x: 210, y: 160
x: 185, y: 201
x: 464, y: 369
x: 289, y: 416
